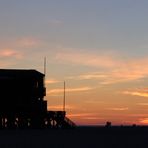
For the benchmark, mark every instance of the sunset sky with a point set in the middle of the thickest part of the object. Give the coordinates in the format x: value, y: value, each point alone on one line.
x: 98, y: 47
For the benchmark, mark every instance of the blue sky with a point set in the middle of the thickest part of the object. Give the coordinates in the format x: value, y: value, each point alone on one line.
x: 110, y: 24
x: 99, y: 47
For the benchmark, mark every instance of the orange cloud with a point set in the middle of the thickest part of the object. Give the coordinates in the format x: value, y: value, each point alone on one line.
x: 59, y: 91
x: 93, y: 118
x: 52, y: 81
x: 112, y: 77
x: 138, y: 115
x: 87, y: 59
x: 86, y: 118
x: 138, y: 92
x: 88, y: 76
x: 60, y: 107
x: 114, y: 69
x: 142, y: 104
x: 144, y: 121
x: 80, y: 115
x: 10, y: 53
x: 118, y: 109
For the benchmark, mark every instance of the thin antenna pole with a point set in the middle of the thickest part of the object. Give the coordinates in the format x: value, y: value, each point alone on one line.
x: 45, y: 66
x: 64, y: 98
x: 44, y: 81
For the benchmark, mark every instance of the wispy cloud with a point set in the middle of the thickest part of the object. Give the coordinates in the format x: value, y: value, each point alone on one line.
x: 10, y: 53
x: 137, y: 92
x: 142, y: 104
x: 9, y: 57
x: 88, y: 76
x: 118, y: 109
x: 138, y: 115
x: 95, y: 102
x: 114, y: 68
x: 81, y: 115
x: 110, y: 77
x: 82, y: 118
x: 87, y: 59
x: 93, y: 118
x: 143, y: 121
x: 60, y: 107
x: 59, y: 91
x: 52, y: 81
x: 19, y: 48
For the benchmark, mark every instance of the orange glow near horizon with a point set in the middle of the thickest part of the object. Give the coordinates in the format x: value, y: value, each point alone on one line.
x: 101, y: 54
x: 117, y: 93
x: 97, y: 109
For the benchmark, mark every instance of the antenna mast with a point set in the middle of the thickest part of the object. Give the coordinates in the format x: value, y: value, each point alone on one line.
x: 64, y: 98
x: 45, y: 66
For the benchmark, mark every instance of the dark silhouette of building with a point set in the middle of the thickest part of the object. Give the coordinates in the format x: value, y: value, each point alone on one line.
x: 108, y: 124
x: 22, y: 103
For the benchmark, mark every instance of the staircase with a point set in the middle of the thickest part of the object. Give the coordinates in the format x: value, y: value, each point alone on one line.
x: 68, y: 123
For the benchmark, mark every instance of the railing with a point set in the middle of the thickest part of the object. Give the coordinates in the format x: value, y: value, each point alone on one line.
x: 58, y: 119
x: 69, y: 122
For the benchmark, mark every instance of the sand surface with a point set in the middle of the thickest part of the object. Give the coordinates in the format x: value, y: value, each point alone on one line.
x: 75, y: 138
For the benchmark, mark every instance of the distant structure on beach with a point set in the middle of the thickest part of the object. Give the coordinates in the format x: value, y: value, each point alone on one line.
x: 22, y: 103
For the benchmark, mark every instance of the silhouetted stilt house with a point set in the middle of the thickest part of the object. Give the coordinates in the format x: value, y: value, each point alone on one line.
x: 22, y: 103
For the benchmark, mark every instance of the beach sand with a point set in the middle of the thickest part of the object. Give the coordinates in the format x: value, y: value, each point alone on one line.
x: 86, y: 137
